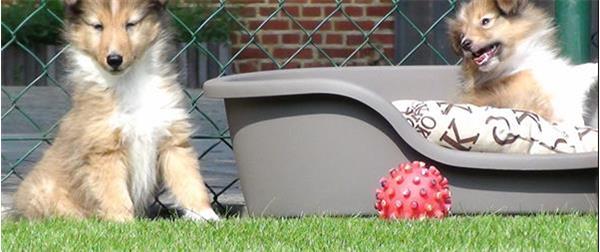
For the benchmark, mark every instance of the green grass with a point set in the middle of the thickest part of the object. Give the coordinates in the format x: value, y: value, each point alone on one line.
x: 462, y: 233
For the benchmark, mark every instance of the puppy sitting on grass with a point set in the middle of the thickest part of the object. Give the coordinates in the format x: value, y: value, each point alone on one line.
x: 127, y: 131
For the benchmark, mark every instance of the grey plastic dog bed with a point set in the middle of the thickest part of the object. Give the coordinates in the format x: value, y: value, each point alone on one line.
x: 316, y: 141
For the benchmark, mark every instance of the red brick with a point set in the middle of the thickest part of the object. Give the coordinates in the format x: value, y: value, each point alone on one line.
x: 235, y: 38
x: 311, y: 25
x: 312, y: 12
x: 246, y: 1
x: 273, y: 24
x: 247, y: 12
x: 269, y: 39
x: 239, y: 38
x: 355, y: 11
x: 325, y: 1
x: 389, y: 52
x: 334, y: 39
x: 244, y: 38
x: 338, y: 53
x: 316, y: 64
x: 387, y: 24
x: 366, y: 52
x: 291, y: 38
x: 292, y: 64
x: 354, y: 39
x: 378, y: 10
x: 245, y: 67
x: 328, y: 10
x: 366, y: 25
x: 285, y: 53
x: 294, y: 11
x: 344, y: 26
x: 268, y: 66
x: 266, y: 11
x: 383, y: 38
x: 316, y: 38
x: 251, y: 53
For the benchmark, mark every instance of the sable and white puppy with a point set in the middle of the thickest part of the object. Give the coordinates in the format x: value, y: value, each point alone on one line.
x: 511, y: 60
x: 127, y: 132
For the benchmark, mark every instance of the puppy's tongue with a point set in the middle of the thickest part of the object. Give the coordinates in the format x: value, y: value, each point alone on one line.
x: 483, y: 58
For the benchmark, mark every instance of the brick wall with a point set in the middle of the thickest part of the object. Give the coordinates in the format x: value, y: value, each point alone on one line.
x: 282, y: 38
x: 337, y: 37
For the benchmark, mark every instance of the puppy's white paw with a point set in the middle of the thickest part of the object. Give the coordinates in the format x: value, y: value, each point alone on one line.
x: 204, y: 215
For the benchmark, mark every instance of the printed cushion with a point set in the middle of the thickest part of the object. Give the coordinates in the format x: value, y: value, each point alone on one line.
x: 486, y: 129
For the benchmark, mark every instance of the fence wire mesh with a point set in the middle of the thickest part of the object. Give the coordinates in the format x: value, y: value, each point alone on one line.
x: 22, y: 147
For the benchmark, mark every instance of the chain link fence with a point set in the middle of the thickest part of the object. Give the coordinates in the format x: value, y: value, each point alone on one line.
x: 28, y: 127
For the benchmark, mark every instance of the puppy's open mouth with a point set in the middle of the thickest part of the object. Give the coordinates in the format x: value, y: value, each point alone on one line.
x: 484, y: 55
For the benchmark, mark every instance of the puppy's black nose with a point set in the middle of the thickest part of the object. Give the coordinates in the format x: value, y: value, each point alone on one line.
x: 114, y: 61
x: 466, y: 44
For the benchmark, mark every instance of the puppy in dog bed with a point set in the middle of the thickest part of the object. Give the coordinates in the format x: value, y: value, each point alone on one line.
x: 511, y: 60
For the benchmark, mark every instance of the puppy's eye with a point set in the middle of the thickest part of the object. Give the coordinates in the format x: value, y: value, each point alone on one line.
x: 98, y: 27
x: 485, y: 21
x: 130, y: 25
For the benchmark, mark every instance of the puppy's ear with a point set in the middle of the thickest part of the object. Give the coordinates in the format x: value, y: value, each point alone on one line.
x: 158, y: 4
x: 454, y: 35
x: 72, y: 7
x: 511, y: 7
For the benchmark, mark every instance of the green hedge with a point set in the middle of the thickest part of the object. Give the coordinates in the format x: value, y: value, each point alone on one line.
x: 44, y: 27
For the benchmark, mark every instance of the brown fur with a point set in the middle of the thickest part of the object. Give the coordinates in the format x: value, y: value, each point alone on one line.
x: 513, y: 21
x: 85, y: 172
x: 518, y: 91
x: 115, y: 36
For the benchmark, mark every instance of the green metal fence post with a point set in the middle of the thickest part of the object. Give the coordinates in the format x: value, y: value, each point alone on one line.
x: 573, y: 19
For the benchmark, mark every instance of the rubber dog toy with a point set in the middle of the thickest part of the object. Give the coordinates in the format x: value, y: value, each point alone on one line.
x: 413, y: 191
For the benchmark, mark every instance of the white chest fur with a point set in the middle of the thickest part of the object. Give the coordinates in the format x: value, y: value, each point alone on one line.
x: 145, y: 110
x: 566, y: 84
x: 146, y: 107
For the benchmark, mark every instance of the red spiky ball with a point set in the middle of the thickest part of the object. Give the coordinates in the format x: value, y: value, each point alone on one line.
x: 413, y: 191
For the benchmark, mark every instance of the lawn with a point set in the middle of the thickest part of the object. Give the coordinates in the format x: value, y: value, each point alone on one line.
x: 457, y: 233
